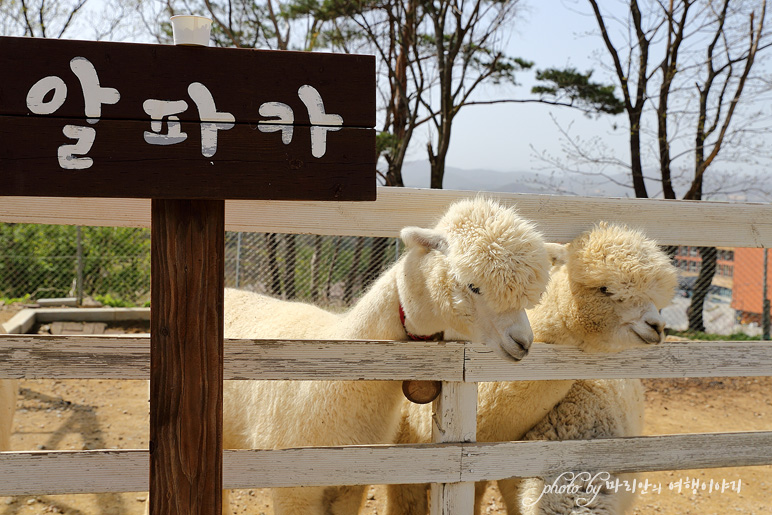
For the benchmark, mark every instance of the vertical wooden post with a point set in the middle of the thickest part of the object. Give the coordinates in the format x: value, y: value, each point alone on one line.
x: 186, y: 356
x: 454, y: 419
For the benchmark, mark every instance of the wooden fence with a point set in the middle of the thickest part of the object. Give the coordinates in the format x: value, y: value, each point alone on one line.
x: 455, y: 461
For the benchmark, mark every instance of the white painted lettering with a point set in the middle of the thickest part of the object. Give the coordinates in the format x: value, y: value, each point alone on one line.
x: 285, y: 117
x: 37, y: 94
x: 67, y: 153
x: 321, y: 122
x: 211, y: 119
x: 158, y: 110
x: 93, y: 94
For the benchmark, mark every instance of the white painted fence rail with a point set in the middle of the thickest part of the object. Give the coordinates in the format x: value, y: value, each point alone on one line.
x: 560, y: 218
x: 102, y: 471
x: 101, y: 357
x: 455, y: 461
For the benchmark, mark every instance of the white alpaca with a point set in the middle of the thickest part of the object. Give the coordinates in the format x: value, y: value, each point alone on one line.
x: 7, y: 407
x: 473, y: 274
x: 605, y: 298
x: 591, y: 409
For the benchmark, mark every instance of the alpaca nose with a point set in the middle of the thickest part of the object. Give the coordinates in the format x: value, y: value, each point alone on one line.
x: 657, y: 325
x: 523, y: 340
x: 520, y: 337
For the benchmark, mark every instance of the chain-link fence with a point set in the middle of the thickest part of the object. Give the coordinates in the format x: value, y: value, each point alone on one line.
x: 730, y: 284
x: 329, y: 270
x: 112, y: 265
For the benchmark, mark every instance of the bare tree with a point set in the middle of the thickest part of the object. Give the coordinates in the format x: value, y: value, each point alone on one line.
x: 40, y: 18
x: 84, y: 19
x: 698, y: 56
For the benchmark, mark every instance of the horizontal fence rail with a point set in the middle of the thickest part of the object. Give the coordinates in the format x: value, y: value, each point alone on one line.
x: 101, y: 357
x: 61, y: 472
x: 561, y: 218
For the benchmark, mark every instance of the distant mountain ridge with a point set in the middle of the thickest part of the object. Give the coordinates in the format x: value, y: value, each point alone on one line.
x: 416, y: 175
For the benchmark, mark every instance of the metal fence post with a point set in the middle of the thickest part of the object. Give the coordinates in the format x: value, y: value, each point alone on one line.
x: 79, y: 272
x: 238, y: 258
x: 765, y: 301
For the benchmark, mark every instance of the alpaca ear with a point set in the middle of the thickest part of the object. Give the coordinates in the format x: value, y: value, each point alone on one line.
x: 429, y: 239
x: 557, y: 253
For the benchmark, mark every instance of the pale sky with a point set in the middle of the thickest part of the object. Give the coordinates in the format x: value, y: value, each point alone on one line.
x: 499, y: 137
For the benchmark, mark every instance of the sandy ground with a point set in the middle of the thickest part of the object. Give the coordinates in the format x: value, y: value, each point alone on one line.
x: 98, y: 414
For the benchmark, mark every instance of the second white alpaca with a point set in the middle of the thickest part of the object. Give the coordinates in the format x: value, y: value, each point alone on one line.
x: 473, y: 274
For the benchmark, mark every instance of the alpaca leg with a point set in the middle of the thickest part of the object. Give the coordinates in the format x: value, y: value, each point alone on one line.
x: 479, y: 492
x: 298, y: 501
x: 510, y: 493
x: 8, y: 388
x: 344, y: 500
x: 406, y: 499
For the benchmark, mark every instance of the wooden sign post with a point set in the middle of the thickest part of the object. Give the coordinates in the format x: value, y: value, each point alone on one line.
x: 187, y: 127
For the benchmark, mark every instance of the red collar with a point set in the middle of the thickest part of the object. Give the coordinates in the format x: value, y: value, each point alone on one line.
x: 436, y: 337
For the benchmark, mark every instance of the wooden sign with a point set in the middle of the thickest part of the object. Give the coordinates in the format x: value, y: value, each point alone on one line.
x: 95, y: 119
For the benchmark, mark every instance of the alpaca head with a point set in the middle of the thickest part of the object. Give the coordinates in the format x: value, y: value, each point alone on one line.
x: 479, y: 268
x: 618, y: 281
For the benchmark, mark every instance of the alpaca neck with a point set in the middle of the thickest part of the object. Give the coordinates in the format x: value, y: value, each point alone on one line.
x: 376, y: 315
x: 549, y: 317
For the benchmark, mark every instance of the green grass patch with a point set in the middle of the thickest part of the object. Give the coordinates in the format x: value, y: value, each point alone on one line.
x: 113, y: 302
x: 13, y: 300
x: 697, y: 335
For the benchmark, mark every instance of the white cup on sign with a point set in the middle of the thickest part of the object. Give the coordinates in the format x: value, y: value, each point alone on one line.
x: 191, y: 30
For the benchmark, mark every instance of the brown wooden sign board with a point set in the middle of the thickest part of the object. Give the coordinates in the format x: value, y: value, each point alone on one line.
x: 95, y: 119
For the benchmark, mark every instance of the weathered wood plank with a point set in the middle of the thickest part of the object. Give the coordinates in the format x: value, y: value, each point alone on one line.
x: 454, y: 413
x: 186, y: 356
x: 671, y: 359
x: 32, y: 473
x: 73, y: 472
x: 240, y: 81
x: 248, y: 163
x: 638, y: 454
x: 60, y: 472
x: 74, y: 357
x: 351, y: 465
x: 350, y: 360
x: 59, y: 357
x: 454, y: 420
x: 561, y: 218
x: 97, y: 357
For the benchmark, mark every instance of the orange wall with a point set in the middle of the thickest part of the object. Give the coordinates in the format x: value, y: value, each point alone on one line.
x: 748, y: 279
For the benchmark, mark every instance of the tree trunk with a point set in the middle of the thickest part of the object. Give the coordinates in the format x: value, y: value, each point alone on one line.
x: 331, y: 270
x: 290, y: 245
x: 274, y: 277
x: 702, y: 288
x: 354, y: 276
x: 315, y: 267
x: 377, y: 261
x: 635, y: 156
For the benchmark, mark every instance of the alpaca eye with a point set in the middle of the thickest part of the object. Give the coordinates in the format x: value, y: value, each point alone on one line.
x: 475, y: 289
x: 604, y: 290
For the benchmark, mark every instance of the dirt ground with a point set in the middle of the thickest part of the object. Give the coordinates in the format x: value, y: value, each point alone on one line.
x: 94, y: 414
